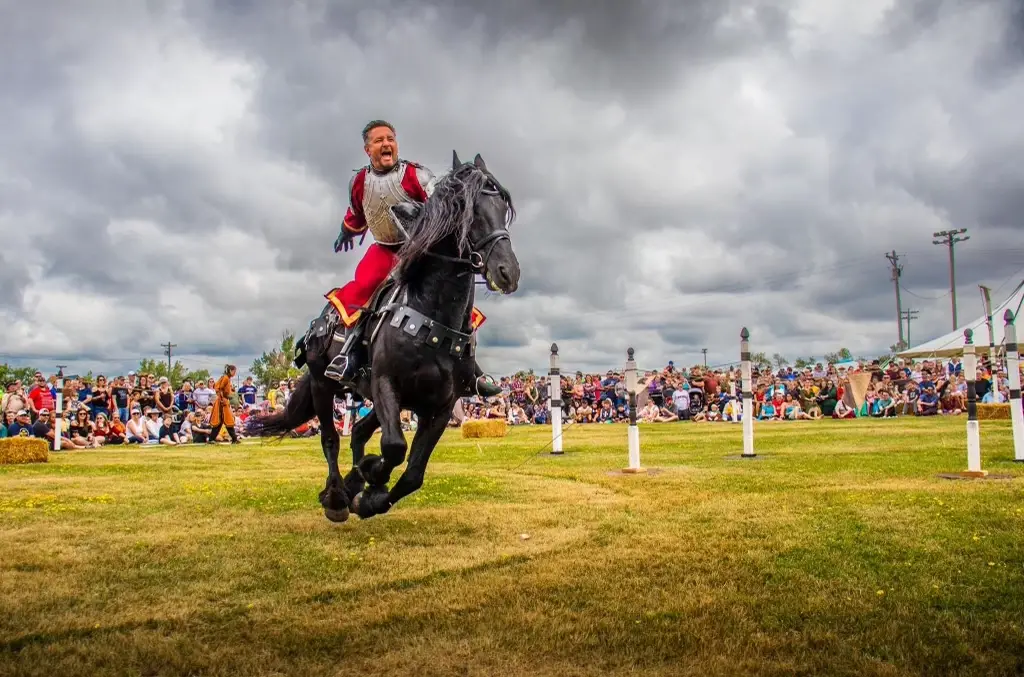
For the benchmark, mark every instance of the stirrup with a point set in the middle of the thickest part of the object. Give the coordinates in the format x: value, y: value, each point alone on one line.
x: 338, y: 368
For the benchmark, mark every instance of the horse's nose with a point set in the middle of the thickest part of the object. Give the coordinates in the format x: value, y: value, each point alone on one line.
x: 507, y: 280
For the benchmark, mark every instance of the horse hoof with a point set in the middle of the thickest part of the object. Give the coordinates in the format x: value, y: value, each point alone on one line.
x: 336, y: 515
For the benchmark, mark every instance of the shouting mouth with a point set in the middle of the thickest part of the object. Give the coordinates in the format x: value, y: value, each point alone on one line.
x: 387, y: 154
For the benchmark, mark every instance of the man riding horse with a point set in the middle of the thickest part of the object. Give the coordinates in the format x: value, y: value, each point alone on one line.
x: 386, y: 182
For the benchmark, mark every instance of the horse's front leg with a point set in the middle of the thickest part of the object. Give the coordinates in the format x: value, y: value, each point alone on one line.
x: 362, y: 431
x: 333, y: 498
x: 377, y: 469
x: 428, y: 434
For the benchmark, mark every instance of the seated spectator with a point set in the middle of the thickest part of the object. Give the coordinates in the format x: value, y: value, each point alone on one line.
x: 135, y: 428
x: 928, y: 402
x: 843, y: 410
x: 649, y: 412
x: 167, y: 434
x: 81, y: 430
x: 792, y: 411
x: 116, y: 433
x: 884, y: 405
x: 153, y: 425
x: 768, y: 412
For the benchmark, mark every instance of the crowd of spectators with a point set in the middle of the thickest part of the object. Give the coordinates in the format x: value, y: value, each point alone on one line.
x: 145, y: 409
x: 898, y: 388
x: 135, y: 409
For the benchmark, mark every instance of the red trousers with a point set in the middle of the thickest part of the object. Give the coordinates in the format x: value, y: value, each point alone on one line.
x: 372, y: 270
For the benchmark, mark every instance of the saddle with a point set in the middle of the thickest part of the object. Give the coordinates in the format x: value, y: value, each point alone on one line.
x: 328, y: 326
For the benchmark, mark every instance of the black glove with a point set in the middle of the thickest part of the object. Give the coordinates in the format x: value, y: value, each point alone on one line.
x: 345, y: 240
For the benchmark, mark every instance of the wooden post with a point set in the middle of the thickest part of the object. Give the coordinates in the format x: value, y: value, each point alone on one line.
x: 1013, y: 374
x: 633, y: 435
x: 58, y: 412
x: 748, y: 395
x: 973, y: 432
x: 555, y: 402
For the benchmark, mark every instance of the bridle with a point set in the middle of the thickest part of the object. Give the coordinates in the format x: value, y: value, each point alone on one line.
x: 479, y: 252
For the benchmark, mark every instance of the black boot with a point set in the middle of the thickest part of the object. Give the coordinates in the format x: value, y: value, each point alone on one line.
x: 345, y: 365
x: 485, y: 386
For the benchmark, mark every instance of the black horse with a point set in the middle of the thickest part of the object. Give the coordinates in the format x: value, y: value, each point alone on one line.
x: 419, y: 341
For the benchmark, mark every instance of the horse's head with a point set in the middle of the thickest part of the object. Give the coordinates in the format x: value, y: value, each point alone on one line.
x: 488, y: 236
x: 471, y: 211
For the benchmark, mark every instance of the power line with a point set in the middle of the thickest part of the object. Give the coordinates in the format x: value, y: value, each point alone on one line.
x: 925, y: 298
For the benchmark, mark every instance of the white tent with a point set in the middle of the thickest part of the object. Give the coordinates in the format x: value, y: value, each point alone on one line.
x: 952, y: 344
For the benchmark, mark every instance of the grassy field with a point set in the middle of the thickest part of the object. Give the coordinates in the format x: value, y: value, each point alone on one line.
x: 838, y: 551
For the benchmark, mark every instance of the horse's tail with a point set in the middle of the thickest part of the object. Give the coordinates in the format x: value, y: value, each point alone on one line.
x: 298, y: 410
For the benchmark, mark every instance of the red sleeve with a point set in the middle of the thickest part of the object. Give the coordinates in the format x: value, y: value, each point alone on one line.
x: 411, y: 184
x: 355, y: 221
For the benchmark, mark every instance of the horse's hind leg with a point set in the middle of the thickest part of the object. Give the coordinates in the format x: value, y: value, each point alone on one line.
x: 362, y: 431
x: 333, y: 498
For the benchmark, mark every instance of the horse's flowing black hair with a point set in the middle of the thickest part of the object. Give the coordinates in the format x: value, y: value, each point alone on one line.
x: 449, y: 212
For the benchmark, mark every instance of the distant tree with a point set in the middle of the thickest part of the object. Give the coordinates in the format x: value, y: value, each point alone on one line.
x: 179, y: 372
x: 23, y: 374
x: 276, y: 365
x: 760, y: 360
x: 802, y: 362
x: 779, y: 361
x: 841, y: 356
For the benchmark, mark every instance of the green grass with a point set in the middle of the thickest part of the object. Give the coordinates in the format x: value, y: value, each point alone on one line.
x: 838, y: 551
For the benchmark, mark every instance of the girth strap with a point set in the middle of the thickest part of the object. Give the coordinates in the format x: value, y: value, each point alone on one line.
x: 412, y: 321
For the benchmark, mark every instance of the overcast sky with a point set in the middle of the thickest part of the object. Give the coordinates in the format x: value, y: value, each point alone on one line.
x: 177, y: 170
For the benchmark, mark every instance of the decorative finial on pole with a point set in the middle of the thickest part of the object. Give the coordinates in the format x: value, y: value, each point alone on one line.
x: 744, y: 334
x: 969, y: 336
x: 554, y: 348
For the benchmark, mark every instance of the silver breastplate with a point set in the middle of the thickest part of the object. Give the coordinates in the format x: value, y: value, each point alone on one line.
x: 380, y: 193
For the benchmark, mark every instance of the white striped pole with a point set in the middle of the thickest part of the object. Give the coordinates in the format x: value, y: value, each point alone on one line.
x: 555, y: 400
x: 633, y: 435
x: 973, y: 433
x: 1013, y: 373
x: 58, y: 425
x: 748, y: 395
x: 346, y: 425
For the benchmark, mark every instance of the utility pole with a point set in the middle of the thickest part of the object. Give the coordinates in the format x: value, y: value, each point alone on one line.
x: 949, y: 238
x: 705, y: 351
x: 909, y: 315
x: 167, y: 351
x: 897, y: 270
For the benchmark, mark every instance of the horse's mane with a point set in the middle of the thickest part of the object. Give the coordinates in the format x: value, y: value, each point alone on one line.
x: 448, y: 212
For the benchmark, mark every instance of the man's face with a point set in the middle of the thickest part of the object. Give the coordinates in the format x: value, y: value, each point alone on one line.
x: 382, y: 148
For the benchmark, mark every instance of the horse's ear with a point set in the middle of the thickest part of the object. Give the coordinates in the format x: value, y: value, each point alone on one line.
x: 405, y: 214
x: 479, y: 162
x: 456, y: 162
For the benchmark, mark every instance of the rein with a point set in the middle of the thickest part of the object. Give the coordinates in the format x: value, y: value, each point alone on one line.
x: 476, y: 261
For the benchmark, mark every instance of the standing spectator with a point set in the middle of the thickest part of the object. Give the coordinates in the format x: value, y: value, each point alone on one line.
x: 247, y: 392
x: 164, y: 397
x: 40, y: 396
x: 222, y: 415
x: 14, y: 399
x: 183, y: 398
x: 99, y: 400
x: 203, y: 395
x: 119, y: 395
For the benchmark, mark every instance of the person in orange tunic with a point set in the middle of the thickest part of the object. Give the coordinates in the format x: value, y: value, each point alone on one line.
x: 222, y: 415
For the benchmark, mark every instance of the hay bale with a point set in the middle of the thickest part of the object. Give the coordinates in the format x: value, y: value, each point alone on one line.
x: 488, y: 427
x: 24, y: 450
x: 993, y: 412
